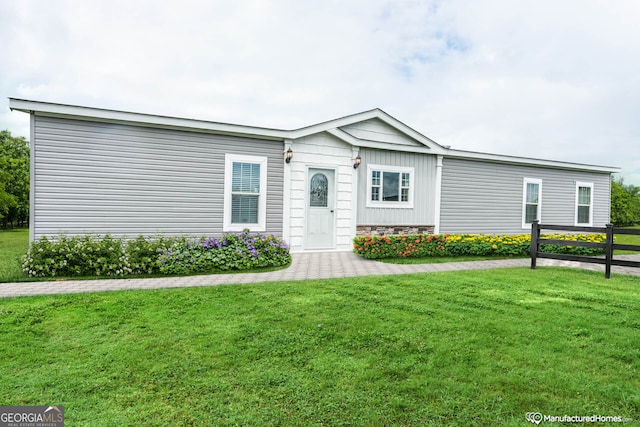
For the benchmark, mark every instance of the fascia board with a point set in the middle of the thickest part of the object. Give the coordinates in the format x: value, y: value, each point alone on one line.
x: 470, y: 155
x: 367, y: 115
x: 332, y: 124
x: 105, y: 115
x: 344, y: 136
x: 148, y: 120
x: 412, y: 133
x: 396, y: 147
x: 356, y: 142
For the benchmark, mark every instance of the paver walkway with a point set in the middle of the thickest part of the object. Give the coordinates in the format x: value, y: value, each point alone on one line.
x: 304, y: 266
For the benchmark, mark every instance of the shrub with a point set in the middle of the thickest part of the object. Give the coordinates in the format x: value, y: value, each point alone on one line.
x: 414, y: 245
x: 87, y: 255
x: 144, y: 252
x: 92, y: 255
x: 487, y: 245
x: 238, y: 251
x: 452, y: 245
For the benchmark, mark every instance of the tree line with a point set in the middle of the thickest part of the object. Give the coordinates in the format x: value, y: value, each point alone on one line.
x: 14, y: 180
x: 14, y: 188
x: 625, y: 203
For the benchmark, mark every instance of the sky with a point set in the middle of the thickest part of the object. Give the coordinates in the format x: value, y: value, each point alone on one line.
x: 549, y: 79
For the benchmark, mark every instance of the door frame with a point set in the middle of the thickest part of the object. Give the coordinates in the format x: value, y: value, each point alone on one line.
x: 307, y: 181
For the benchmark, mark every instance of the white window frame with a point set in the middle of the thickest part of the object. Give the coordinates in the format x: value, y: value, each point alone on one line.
x: 524, y: 200
x: 590, y: 186
x: 229, y: 160
x: 389, y: 204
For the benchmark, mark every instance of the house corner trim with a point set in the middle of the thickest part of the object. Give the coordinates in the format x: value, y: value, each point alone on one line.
x: 436, y: 229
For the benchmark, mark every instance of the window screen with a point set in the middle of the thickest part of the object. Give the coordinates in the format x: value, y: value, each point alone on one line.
x: 532, y: 201
x: 245, y: 193
x: 584, y: 205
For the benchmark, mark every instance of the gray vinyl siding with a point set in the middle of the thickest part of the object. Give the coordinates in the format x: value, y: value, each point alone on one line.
x: 486, y: 197
x: 93, y: 177
x: 423, y: 211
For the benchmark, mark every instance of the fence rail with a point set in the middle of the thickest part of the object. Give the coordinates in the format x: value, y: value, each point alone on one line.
x: 609, y: 245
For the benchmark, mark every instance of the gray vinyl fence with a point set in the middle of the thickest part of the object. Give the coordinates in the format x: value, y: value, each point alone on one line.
x: 609, y: 245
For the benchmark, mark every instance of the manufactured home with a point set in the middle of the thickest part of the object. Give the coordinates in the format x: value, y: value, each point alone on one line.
x: 124, y: 173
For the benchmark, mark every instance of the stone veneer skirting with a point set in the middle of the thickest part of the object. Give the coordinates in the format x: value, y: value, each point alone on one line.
x: 388, y: 230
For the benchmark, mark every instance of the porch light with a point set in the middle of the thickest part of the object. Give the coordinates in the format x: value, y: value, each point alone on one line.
x: 357, y: 161
x: 288, y: 155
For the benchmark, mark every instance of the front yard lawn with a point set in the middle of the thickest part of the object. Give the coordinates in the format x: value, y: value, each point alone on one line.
x: 461, y: 348
x: 13, y: 245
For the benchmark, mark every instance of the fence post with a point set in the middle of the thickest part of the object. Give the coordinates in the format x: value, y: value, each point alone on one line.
x: 535, y: 234
x: 608, y: 251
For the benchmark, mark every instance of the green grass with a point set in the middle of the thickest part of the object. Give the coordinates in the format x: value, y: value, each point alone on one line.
x: 462, y: 348
x: 628, y: 239
x: 13, y: 245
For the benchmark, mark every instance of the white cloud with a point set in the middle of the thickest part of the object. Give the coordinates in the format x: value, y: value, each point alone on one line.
x: 544, y: 79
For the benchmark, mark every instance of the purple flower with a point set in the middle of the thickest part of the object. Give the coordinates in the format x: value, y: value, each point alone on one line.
x: 211, y: 243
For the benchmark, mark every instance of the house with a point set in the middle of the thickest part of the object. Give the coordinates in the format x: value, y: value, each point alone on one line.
x: 106, y: 171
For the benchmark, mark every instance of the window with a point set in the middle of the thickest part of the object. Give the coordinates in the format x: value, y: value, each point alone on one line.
x: 245, y: 193
x: 389, y: 186
x: 531, y: 201
x: 584, y: 197
x: 319, y: 191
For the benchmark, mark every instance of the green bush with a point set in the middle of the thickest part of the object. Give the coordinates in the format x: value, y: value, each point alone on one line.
x: 87, y: 255
x: 92, y: 255
x: 414, y: 245
x: 144, y: 252
x: 239, y: 251
x: 453, y: 245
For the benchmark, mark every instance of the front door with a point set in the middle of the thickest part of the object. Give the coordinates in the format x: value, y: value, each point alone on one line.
x: 320, y: 209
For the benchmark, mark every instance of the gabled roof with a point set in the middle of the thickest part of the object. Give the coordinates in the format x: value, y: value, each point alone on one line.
x: 344, y: 128
x: 336, y: 127
x: 152, y: 120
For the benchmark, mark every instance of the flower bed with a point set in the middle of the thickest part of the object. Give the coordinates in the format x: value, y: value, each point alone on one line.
x: 452, y: 245
x: 93, y: 255
x: 240, y: 251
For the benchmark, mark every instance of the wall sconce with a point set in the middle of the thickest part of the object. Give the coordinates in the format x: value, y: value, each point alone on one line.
x: 357, y: 161
x: 288, y: 155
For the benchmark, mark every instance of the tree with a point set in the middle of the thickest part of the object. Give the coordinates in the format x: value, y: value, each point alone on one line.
x: 625, y: 203
x: 14, y: 179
